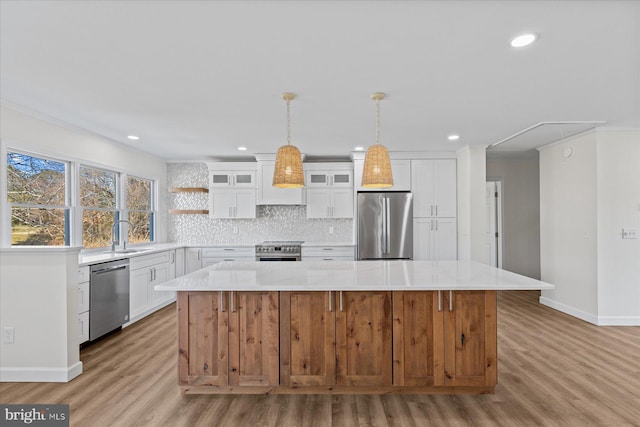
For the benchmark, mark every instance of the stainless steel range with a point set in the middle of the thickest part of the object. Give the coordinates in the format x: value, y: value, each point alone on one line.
x: 279, y: 251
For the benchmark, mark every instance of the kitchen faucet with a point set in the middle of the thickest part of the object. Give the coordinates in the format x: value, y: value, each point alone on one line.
x: 113, y: 235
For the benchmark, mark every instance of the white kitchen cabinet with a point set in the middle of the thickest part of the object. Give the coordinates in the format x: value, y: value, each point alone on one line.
x: 179, y: 262
x: 328, y: 178
x: 434, y: 188
x: 232, y: 204
x: 84, y: 276
x: 400, y: 170
x: 192, y: 260
x: 267, y: 194
x: 214, y: 255
x: 226, y: 179
x: 328, y: 253
x: 434, y: 239
x: 329, y: 203
x: 145, y: 273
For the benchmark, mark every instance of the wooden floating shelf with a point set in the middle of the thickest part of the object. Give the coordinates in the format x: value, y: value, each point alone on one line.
x: 189, y: 211
x: 188, y: 190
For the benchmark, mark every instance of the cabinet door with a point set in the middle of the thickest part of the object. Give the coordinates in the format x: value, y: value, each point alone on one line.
x: 83, y: 325
x: 254, y: 339
x: 470, y: 344
x: 363, y: 339
x: 222, y: 203
x: 341, y: 179
x: 318, y: 203
x: 444, y: 188
x: 316, y: 179
x: 244, y: 179
x: 422, y: 188
x: 179, y: 261
x: 245, y: 204
x: 138, y: 293
x: 203, y: 335
x: 418, y: 357
x: 220, y: 179
x: 307, y: 339
x: 342, y: 203
x: 192, y: 260
x: 444, y: 239
x: 422, y: 239
x: 172, y: 265
x: 159, y: 274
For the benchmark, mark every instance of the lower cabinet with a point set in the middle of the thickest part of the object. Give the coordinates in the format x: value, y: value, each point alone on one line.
x: 228, y: 338
x: 145, y: 273
x: 265, y: 341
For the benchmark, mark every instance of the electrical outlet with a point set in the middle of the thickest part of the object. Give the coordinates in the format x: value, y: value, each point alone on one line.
x: 330, y: 230
x: 235, y: 230
x: 628, y: 233
x: 8, y: 335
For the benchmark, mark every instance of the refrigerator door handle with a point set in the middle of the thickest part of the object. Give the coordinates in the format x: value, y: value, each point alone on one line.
x: 387, y: 226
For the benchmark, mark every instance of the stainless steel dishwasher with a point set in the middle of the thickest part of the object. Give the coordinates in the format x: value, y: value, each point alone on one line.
x: 108, y: 297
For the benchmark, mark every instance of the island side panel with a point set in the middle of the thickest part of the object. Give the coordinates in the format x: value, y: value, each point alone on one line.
x: 418, y: 356
x: 363, y: 339
x: 254, y: 338
x: 307, y: 338
x: 470, y: 339
x: 202, y: 339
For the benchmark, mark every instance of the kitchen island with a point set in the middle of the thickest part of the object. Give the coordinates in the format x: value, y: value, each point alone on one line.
x: 340, y: 327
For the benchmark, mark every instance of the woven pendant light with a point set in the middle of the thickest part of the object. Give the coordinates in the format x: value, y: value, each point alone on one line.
x: 377, y: 165
x: 288, y: 170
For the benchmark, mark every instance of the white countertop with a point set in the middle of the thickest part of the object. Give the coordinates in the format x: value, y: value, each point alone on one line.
x: 89, y: 258
x: 336, y: 244
x: 351, y: 276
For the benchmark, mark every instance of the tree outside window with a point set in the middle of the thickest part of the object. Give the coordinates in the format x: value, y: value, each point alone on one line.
x: 140, y: 206
x: 98, y: 198
x: 37, y: 197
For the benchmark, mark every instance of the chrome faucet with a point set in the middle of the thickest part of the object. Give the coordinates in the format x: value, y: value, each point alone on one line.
x: 113, y: 235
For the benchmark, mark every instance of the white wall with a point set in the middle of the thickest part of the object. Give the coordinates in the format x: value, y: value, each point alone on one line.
x: 585, y: 201
x: 618, y: 172
x: 521, y: 211
x: 471, y: 176
x: 19, y: 130
x: 41, y: 304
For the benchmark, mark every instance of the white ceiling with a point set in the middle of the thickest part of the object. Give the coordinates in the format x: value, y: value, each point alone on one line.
x: 196, y: 79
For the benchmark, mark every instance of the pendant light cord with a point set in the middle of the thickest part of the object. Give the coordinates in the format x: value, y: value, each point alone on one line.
x: 288, y: 123
x: 377, y: 121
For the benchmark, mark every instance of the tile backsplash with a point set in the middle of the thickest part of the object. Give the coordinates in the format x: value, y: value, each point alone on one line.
x: 272, y: 222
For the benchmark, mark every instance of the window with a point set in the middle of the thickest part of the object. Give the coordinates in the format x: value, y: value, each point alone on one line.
x: 98, y: 199
x: 38, y: 200
x: 140, y: 205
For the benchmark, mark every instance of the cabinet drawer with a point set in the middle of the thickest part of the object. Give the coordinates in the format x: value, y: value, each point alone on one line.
x: 327, y: 258
x: 214, y: 260
x: 148, y: 260
x: 229, y: 252
x: 83, y: 327
x: 84, y: 274
x: 328, y: 251
x: 83, y: 297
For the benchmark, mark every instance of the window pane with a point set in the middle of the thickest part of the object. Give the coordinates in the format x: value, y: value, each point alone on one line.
x: 142, y: 225
x: 33, y: 226
x: 97, y: 188
x: 33, y: 180
x: 96, y: 228
x: 138, y: 194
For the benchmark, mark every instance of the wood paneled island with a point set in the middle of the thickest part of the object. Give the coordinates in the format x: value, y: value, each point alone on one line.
x: 340, y: 327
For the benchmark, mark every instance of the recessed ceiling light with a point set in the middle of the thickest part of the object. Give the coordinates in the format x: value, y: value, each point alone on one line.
x: 358, y: 148
x: 242, y: 148
x: 523, y: 40
x: 133, y: 137
x: 453, y: 137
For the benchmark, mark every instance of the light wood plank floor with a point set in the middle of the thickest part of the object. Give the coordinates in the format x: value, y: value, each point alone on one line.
x: 553, y: 370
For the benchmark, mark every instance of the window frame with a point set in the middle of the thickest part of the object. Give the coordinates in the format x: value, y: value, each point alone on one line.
x: 73, y: 228
x: 153, y: 206
x: 68, y: 199
x: 117, y: 209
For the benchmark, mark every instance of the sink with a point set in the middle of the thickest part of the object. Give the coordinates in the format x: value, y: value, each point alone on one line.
x: 130, y: 251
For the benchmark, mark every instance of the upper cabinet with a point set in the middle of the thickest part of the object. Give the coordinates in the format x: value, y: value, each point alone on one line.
x: 400, y: 169
x: 329, y: 178
x: 226, y: 179
x: 434, y: 188
x: 270, y: 195
x: 329, y: 188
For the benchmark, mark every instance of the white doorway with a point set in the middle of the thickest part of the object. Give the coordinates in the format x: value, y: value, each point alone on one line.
x: 494, y: 223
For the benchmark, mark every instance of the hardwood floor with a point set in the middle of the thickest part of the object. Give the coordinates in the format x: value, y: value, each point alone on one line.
x: 553, y: 370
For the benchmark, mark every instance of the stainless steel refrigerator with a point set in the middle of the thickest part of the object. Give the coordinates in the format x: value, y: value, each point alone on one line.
x: 385, y: 225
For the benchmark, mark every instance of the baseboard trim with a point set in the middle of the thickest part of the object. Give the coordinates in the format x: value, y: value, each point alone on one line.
x: 572, y: 311
x: 40, y: 375
x: 587, y: 317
